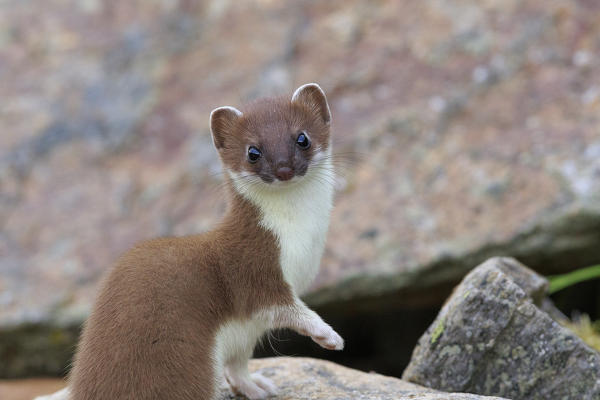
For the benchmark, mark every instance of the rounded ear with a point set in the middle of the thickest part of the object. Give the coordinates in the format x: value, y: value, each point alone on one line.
x: 312, y: 96
x: 222, y: 120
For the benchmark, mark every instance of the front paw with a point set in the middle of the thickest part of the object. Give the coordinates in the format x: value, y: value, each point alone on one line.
x: 328, y: 338
x: 254, y: 387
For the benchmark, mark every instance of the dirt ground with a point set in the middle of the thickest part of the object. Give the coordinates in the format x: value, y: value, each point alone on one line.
x: 27, y: 389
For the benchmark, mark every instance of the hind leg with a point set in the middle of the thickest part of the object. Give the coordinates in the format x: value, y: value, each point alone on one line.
x: 253, y: 386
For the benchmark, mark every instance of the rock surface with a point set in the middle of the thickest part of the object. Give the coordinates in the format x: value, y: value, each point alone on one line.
x: 466, y: 129
x: 27, y: 389
x: 492, y: 338
x: 305, y: 378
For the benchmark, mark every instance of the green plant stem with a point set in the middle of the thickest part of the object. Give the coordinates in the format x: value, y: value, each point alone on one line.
x: 559, y: 282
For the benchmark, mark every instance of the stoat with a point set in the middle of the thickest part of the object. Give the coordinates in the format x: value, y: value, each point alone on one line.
x: 176, y: 317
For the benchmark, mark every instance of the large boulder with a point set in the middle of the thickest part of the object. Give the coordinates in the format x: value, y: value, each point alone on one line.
x: 464, y: 130
x: 491, y: 337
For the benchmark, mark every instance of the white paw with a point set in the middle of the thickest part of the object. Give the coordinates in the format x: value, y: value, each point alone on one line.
x: 326, y: 337
x: 246, y: 386
x: 223, y: 383
x: 264, y: 383
x: 254, y: 392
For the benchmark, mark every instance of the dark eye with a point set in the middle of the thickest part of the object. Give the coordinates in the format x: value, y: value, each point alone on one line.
x: 303, y: 141
x: 253, y: 154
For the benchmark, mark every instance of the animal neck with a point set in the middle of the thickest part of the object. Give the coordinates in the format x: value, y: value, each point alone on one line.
x: 298, y: 216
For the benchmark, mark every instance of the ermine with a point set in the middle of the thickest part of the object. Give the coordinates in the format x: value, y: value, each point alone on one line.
x: 176, y: 317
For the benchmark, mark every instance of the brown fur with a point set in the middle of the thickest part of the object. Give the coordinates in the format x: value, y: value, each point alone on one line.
x: 152, y: 330
x: 272, y: 125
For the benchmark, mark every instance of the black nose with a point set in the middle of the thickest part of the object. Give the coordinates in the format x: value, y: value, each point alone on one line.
x: 284, y: 173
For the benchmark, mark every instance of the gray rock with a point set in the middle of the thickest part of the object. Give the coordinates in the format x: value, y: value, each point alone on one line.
x: 491, y: 338
x: 450, y: 148
x: 37, y: 349
x: 306, y: 378
x: 110, y: 144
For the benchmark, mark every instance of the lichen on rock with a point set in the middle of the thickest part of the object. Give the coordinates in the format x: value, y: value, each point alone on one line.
x: 498, y: 341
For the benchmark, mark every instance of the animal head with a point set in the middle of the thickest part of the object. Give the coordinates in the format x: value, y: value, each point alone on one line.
x: 274, y: 141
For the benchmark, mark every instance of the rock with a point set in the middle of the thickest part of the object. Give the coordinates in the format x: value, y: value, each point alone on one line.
x: 306, y: 378
x: 41, y: 349
x: 460, y: 137
x: 492, y: 338
x: 312, y: 379
x: 27, y: 389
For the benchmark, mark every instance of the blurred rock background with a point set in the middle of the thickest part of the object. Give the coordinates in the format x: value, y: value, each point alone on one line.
x: 465, y: 129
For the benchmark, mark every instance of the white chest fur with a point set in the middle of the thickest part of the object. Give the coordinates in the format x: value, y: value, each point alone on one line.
x: 298, y: 215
